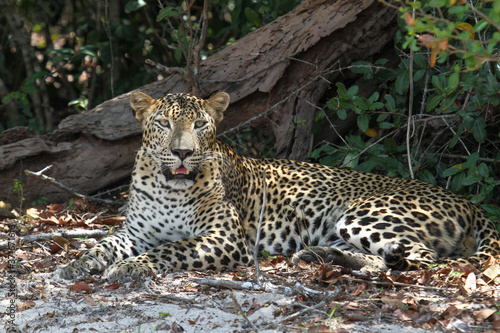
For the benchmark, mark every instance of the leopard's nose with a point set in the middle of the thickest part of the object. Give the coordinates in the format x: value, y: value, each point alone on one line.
x: 182, y: 153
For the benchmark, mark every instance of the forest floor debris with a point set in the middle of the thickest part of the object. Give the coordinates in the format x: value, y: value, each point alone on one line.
x: 290, y: 298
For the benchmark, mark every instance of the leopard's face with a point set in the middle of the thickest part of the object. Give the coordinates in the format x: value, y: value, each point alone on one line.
x: 179, y: 132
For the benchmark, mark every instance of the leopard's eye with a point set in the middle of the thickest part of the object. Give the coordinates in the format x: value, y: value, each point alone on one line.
x: 164, y: 123
x: 199, y: 123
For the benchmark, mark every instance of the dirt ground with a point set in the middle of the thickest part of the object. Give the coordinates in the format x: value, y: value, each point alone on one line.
x: 289, y: 298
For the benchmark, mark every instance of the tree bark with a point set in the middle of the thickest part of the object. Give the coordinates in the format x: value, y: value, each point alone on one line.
x: 275, y: 76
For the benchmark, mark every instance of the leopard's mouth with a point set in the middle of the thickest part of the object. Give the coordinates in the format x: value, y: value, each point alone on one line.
x: 181, y: 173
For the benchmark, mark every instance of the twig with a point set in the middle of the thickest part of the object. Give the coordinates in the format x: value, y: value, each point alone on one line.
x: 267, y: 111
x: 373, y: 144
x: 108, y: 33
x: 410, y: 111
x: 401, y: 284
x: 50, y: 180
x: 464, y: 157
x: 167, y: 298
x: 265, y: 287
x: 257, y: 236
x: 241, y: 310
x: 164, y: 69
x: 301, y: 312
x: 245, y: 285
x: 112, y: 190
x: 51, y: 235
x: 455, y: 133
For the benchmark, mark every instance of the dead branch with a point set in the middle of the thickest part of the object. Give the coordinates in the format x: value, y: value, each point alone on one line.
x: 51, y: 235
x: 52, y: 181
x: 267, y: 287
x: 257, y: 236
x: 241, y: 310
x: 164, y: 69
x: 401, y: 284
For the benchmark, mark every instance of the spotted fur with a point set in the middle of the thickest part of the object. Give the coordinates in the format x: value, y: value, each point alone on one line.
x: 195, y: 205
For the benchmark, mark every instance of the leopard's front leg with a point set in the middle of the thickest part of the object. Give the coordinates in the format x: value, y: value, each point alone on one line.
x: 111, y: 249
x: 214, y: 251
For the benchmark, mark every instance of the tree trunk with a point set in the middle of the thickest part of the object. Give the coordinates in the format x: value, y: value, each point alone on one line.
x: 274, y: 75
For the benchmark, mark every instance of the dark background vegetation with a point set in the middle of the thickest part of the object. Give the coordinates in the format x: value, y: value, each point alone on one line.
x: 434, y: 114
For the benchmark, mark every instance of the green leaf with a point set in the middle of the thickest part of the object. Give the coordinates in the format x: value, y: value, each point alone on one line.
x: 381, y: 62
x: 377, y: 106
x: 363, y: 122
x: 28, y: 89
x: 134, y: 5
x: 342, y: 114
x: 491, y: 209
x: 453, y: 82
x: 436, y: 82
x: 418, y: 75
x: 456, y: 183
x: 253, y: 17
x: 403, y: 80
x: 35, y: 76
x: 483, y: 170
x: 452, y: 171
x: 178, y: 54
x: 87, y: 51
x: 352, y: 91
x: 469, y: 180
x: 167, y: 12
x: 332, y: 103
x: 374, y: 97
x: 477, y: 199
x: 433, y: 103
x: 362, y: 103
x: 457, y: 135
x: 341, y: 90
x: 390, y: 103
x: 390, y: 146
x: 479, y: 130
x: 471, y: 160
x: 480, y: 26
x: 386, y: 125
x: 427, y: 177
x: 352, y: 162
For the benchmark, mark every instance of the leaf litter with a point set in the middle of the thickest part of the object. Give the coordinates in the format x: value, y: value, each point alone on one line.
x: 315, y: 297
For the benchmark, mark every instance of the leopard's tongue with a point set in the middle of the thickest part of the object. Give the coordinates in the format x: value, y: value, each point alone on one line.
x: 181, y: 171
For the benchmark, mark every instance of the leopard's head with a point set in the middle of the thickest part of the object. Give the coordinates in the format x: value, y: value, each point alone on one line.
x: 179, y: 131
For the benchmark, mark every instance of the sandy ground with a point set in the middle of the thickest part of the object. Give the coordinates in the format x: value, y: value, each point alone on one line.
x: 171, y: 304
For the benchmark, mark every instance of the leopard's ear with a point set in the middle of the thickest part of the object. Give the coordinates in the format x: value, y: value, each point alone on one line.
x: 216, y: 105
x: 142, y: 105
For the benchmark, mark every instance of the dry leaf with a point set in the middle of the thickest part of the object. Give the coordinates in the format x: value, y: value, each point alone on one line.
x: 319, y: 329
x: 483, y: 314
x: 470, y: 283
x: 392, y: 301
x: 89, y: 301
x: 62, y: 242
x: 26, y: 305
x: 113, y: 286
x: 112, y: 220
x: 33, y: 213
x: 450, y: 312
x: 409, y: 19
x: 80, y: 286
x: 492, y: 272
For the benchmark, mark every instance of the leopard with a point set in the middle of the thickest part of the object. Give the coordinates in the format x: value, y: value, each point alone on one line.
x: 196, y: 205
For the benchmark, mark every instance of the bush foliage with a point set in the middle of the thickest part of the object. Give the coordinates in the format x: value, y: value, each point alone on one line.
x: 61, y: 57
x: 435, y: 116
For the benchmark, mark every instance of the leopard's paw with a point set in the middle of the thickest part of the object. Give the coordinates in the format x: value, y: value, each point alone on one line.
x: 129, y: 270
x: 83, y: 266
x: 317, y: 253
